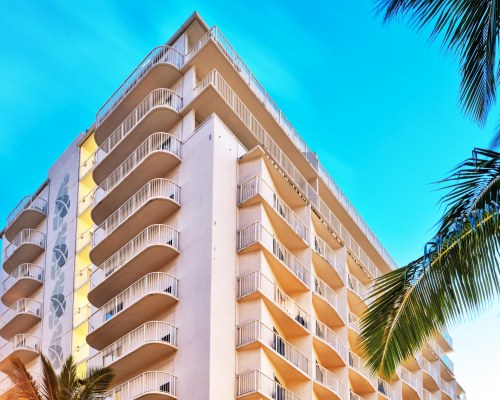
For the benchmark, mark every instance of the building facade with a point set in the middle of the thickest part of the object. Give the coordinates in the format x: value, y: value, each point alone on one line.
x: 191, y: 240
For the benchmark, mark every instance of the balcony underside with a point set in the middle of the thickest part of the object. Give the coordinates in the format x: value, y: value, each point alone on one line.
x: 356, y: 304
x: 359, y: 382
x: 118, y: 325
x: 155, y: 165
x: 409, y: 393
x: 28, y: 218
x: 22, y: 288
x: 324, y: 392
x: 429, y: 383
x: 25, y: 253
x: 162, y: 75
x: 24, y: 354
x: 21, y: 323
x: 327, y: 355
x: 445, y: 396
x: 254, y: 395
x: 326, y: 313
x: 325, y: 271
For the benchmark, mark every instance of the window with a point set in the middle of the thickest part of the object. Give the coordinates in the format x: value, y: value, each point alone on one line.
x: 165, y: 387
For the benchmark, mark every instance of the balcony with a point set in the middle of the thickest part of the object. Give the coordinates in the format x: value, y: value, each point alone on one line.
x: 159, y: 153
x: 412, y: 384
x: 287, y: 313
x: 151, y: 385
x: 445, y: 341
x: 386, y: 391
x: 354, y: 329
x: 291, y: 363
x: 282, y: 217
x: 283, y: 261
x: 159, y: 68
x: 327, y: 261
x: 447, y: 389
x: 430, y: 375
x: 354, y: 396
x: 84, y: 239
x: 430, y: 396
x: 432, y: 351
x: 254, y: 385
x: 326, y: 385
x: 159, y: 110
x: 146, y: 298
x: 30, y: 211
x: 448, y: 365
x: 325, y: 300
x: 24, y: 248
x: 155, y: 201
x: 329, y: 348
x: 20, y: 317
x: 143, y: 347
x: 23, y: 346
x: 23, y: 282
x: 361, y: 379
x: 357, y: 295
x: 153, y: 247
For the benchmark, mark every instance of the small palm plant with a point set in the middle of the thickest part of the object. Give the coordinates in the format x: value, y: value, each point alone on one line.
x: 63, y: 386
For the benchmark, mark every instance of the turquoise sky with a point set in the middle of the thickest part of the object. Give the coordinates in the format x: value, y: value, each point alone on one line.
x: 378, y: 104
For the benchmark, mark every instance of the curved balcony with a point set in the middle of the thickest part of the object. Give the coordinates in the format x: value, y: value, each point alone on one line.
x: 447, y: 390
x: 359, y: 376
x: 287, y: 313
x: 445, y: 341
x: 430, y: 375
x: 29, y: 212
x: 427, y: 395
x: 20, y: 317
x: 448, y: 365
x: 24, y: 248
x: 386, y: 391
x: 327, y: 261
x: 325, y: 300
x: 144, y: 346
x: 155, y: 201
x: 22, y: 283
x: 159, y: 110
x: 354, y: 329
x: 412, y: 385
x: 357, y: 295
x: 153, y: 247
x: 329, y: 348
x: 291, y: 363
x: 153, y: 293
x: 160, y: 68
x: 151, y: 385
x: 23, y: 346
x: 354, y: 396
x: 254, y: 385
x: 326, y: 385
x: 283, y: 261
x: 159, y: 153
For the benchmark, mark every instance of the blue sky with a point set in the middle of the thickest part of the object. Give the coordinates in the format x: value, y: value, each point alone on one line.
x: 378, y: 104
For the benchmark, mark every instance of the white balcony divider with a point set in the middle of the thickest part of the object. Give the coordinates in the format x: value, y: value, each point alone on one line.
x: 87, y: 165
x: 86, y: 201
x: 354, y: 322
x: 158, y: 188
x: 81, y: 314
x: 152, y: 235
x: 358, y: 364
x: 149, y: 332
x: 329, y: 380
x: 156, y: 142
x: 258, y: 281
x: 412, y: 379
x: 358, y: 288
x: 26, y: 270
x: 159, y: 55
x: 24, y: 237
x: 257, y: 233
x: 429, y: 396
x: 85, y: 238
x: 141, y: 385
x: 256, y: 381
x: 27, y: 202
x: 22, y: 341
x: 447, y: 363
x: 447, y: 388
x: 326, y: 292
x: 154, y: 282
x: 325, y: 251
x: 257, y: 331
x: 387, y: 390
x: 257, y: 186
x: 322, y: 331
x: 431, y: 369
x: 22, y: 306
x: 157, y: 98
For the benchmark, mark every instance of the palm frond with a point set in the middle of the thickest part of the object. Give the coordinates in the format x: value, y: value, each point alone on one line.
x: 49, y: 386
x: 97, y: 382
x: 26, y: 387
x: 68, y: 379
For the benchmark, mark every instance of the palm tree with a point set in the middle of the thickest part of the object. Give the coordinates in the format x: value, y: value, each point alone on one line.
x: 458, y: 274
x: 63, y: 386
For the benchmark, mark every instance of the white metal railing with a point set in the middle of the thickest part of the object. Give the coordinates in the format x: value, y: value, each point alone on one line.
x: 22, y: 341
x: 435, y: 347
x: 141, y: 385
x: 354, y: 396
x: 322, y: 331
x: 257, y: 186
x: 157, y: 98
x: 154, y: 282
x: 447, y: 388
x: 161, y: 54
x: 322, y: 289
x: 426, y: 395
x: 358, y: 288
x: 22, y: 306
x: 354, y: 322
x: 326, y: 252
x: 87, y: 165
x: 256, y: 381
x: 257, y: 281
x: 158, y: 188
x: 156, y: 142
x: 81, y: 314
x: 387, y: 390
x: 447, y: 363
x: 153, y: 235
x: 257, y: 331
x: 329, y: 380
x: 25, y: 236
x: 28, y: 202
x: 86, y: 201
x: 27, y: 270
x: 149, y: 332
x: 84, y: 238
x: 412, y: 379
x: 358, y: 364
x: 257, y: 233
x: 431, y: 369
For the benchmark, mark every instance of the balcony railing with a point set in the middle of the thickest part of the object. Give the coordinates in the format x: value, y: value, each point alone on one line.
x: 157, y: 98
x: 87, y: 165
x: 325, y: 251
x: 21, y: 341
x: 154, y: 282
x: 161, y: 54
x: 83, y: 276
x: 22, y: 306
x: 24, y: 237
x: 324, y: 332
x: 152, y: 235
x: 358, y: 288
x: 257, y: 233
x: 432, y: 370
x: 354, y: 322
x: 86, y: 201
x: 84, y: 238
x: 435, y: 347
x: 257, y: 281
x: 429, y: 396
x: 257, y: 331
x: 387, y: 390
x: 81, y: 314
x: 358, y: 364
x: 326, y: 292
x: 412, y: 379
x: 32, y: 271
x: 448, y: 363
x: 27, y: 203
x: 354, y: 396
x: 151, y: 382
x: 159, y: 188
x: 329, y: 380
x: 446, y: 336
x: 447, y: 388
x: 257, y: 382
x: 257, y: 186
